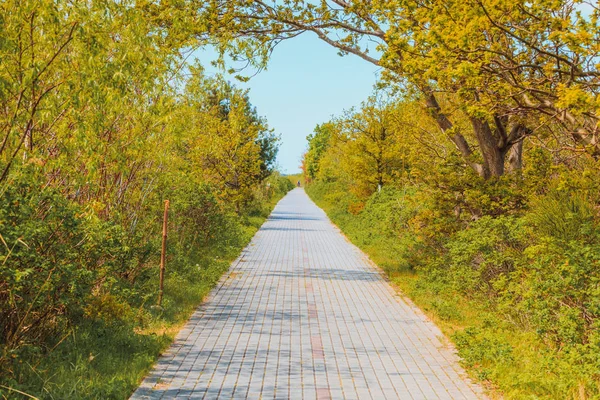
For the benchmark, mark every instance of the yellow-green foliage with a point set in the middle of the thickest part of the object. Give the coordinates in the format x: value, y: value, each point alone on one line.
x: 361, y: 148
x: 490, y: 72
x: 101, y: 121
x: 509, y: 268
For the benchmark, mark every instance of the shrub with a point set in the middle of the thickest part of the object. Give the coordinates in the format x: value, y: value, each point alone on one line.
x: 481, y: 257
x: 55, y: 256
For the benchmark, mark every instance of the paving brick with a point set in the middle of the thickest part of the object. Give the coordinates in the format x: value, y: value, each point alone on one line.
x: 303, y: 313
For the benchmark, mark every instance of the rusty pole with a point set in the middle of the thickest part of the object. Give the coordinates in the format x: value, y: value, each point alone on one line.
x: 163, y: 254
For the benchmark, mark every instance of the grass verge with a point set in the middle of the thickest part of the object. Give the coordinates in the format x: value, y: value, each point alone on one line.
x: 100, y: 359
x: 509, y: 362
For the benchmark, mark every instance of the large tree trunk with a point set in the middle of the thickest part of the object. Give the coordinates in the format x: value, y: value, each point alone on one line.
x: 459, y: 140
x: 495, y: 144
x: 493, y: 155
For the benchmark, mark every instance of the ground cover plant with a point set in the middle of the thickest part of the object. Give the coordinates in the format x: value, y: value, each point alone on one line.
x: 471, y: 176
x: 102, y: 120
x: 509, y: 268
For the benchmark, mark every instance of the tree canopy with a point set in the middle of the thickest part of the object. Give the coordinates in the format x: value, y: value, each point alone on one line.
x: 102, y: 118
x: 512, y: 69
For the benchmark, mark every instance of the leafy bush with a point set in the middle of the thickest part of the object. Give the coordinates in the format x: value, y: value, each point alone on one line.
x: 519, y: 293
x: 563, y: 215
x: 56, y: 256
x: 480, y: 258
x: 76, y: 291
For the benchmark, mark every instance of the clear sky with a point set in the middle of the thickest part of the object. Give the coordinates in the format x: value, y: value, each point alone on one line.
x: 305, y: 84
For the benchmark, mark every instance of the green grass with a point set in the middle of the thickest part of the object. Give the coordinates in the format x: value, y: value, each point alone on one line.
x: 506, y: 361
x: 100, y: 360
x: 509, y: 362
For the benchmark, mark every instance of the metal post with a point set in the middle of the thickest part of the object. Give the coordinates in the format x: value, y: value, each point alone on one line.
x: 163, y: 254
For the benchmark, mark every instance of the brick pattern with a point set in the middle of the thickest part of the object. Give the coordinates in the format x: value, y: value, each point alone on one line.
x: 303, y: 314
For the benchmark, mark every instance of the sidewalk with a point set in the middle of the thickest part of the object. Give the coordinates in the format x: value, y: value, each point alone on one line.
x: 302, y: 314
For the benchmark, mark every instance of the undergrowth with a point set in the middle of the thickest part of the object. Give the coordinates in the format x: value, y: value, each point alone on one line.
x: 106, y: 330
x: 518, y: 294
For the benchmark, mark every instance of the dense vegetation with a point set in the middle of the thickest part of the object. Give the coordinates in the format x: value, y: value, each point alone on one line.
x: 475, y: 186
x: 481, y: 174
x: 102, y: 120
x: 509, y: 267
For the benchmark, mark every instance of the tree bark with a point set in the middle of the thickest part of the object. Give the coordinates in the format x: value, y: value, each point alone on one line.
x: 515, y: 157
x: 493, y: 155
x: 459, y: 140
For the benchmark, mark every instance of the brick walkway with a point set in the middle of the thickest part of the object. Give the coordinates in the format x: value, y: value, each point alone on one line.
x: 302, y: 314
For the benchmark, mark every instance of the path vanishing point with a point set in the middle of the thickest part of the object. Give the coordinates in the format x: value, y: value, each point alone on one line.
x: 303, y: 314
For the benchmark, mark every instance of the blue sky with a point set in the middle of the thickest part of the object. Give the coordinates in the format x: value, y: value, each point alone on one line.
x: 305, y: 84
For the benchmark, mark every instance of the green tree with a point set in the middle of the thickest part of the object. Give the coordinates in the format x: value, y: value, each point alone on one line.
x: 511, y: 69
x: 231, y: 146
x: 318, y: 143
x: 363, y: 147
